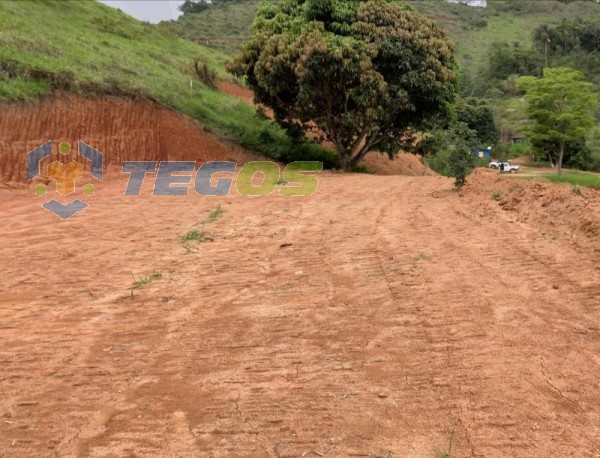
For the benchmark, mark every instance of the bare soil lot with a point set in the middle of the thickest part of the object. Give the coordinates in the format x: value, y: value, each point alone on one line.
x: 381, y: 316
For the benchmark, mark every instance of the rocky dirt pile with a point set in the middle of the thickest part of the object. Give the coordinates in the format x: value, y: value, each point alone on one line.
x: 559, y: 210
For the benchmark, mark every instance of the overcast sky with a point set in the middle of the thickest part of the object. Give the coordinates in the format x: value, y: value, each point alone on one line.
x: 163, y: 10
x: 148, y: 10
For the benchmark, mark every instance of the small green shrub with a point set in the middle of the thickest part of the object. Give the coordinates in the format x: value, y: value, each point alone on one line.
x: 205, y: 74
x: 215, y: 214
x: 359, y: 168
x: 193, y: 235
x: 496, y: 195
x: 461, y: 165
x: 139, y: 282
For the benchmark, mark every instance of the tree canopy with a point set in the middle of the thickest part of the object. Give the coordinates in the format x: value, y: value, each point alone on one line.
x: 559, y: 105
x: 366, y: 74
x: 197, y: 6
x: 194, y: 6
x: 478, y: 116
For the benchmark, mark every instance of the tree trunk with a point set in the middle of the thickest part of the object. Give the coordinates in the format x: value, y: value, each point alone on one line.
x: 355, y: 160
x: 346, y: 162
x: 550, y: 159
x: 560, y: 157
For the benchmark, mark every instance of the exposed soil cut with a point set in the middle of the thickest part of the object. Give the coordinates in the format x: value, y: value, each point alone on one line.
x: 121, y: 129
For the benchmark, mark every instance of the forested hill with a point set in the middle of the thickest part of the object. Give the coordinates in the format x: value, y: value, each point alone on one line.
x: 493, y: 44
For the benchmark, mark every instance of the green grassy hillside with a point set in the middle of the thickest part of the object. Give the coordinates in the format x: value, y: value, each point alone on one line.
x: 225, y: 27
x: 474, y: 32
x: 88, y: 48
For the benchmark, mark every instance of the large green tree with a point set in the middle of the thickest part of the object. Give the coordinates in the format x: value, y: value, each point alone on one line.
x: 365, y: 74
x: 559, y: 105
x: 478, y: 116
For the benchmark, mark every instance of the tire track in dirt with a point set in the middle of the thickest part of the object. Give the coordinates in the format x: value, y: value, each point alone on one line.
x: 392, y: 322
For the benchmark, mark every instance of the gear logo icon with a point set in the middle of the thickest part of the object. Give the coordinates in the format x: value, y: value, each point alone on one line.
x: 65, y: 175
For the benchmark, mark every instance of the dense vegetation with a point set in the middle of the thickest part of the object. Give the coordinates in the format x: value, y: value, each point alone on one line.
x: 223, y: 26
x: 89, y: 48
x: 559, y: 106
x: 366, y: 74
x: 494, y: 47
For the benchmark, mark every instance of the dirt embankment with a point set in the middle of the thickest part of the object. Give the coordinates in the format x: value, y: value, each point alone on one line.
x: 559, y: 211
x: 121, y: 129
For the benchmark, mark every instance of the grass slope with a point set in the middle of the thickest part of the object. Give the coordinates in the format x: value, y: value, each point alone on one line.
x: 225, y: 27
x: 89, y: 48
x: 576, y: 178
x: 473, y: 31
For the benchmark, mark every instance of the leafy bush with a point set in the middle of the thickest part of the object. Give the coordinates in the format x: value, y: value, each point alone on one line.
x: 204, y: 73
x: 478, y: 116
x: 481, y: 162
x: 460, y: 166
x: 448, y: 151
x: 519, y: 149
x: 593, y: 143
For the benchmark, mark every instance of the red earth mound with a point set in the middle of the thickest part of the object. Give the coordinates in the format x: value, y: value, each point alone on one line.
x: 559, y: 211
x: 402, y: 164
x: 121, y: 129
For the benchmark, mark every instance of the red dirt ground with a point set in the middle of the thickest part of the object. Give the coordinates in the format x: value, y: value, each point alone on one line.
x: 381, y: 316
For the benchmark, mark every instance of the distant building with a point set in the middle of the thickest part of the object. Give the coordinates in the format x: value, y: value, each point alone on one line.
x: 518, y: 138
x: 478, y: 3
x: 482, y: 152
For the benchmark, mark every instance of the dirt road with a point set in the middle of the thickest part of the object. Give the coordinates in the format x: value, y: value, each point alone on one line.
x: 381, y: 316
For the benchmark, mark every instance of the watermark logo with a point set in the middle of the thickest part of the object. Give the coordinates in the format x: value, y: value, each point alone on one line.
x: 170, y: 178
x: 65, y: 175
x: 257, y: 178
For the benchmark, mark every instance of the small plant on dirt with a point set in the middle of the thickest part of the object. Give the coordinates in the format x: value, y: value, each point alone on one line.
x: 192, y: 235
x: 198, y: 235
x: 448, y: 453
x: 441, y: 454
x: 281, y: 181
x: 215, y: 215
x: 204, y: 73
x: 188, y: 248
x: 422, y: 257
x: 497, y: 195
x: 576, y: 190
x: 143, y: 281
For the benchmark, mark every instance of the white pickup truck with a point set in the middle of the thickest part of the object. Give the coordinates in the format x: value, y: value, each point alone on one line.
x: 504, y: 167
